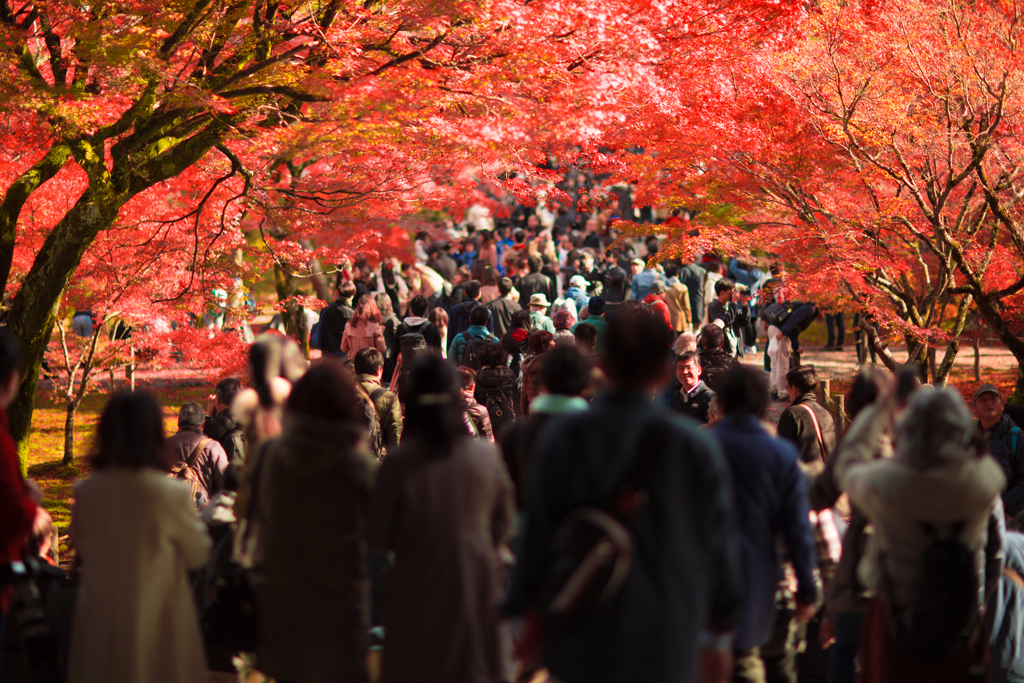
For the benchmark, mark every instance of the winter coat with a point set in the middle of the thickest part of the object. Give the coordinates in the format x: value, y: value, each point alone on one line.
x: 1000, y: 442
x: 390, y: 324
x: 734, y: 318
x: 694, y: 404
x: 897, y: 496
x: 491, y: 380
x: 536, y: 283
x: 431, y: 333
x: 210, y: 462
x: 309, y: 562
x: 692, y: 276
x: 599, y: 322
x: 363, y: 335
x: 658, y: 304
x: 226, y: 431
x: 388, y: 409
x: 539, y: 321
x: 712, y: 363
x: 459, y: 341
x: 502, y: 309
x: 796, y: 425
x: 137, y: 535
x: 640, y: 286
x: 1005, y: 617
x: 333, y: 321
x: 478, y: 420
x: 444, y: 517
x: 678, y: 299
x: 458, y: 317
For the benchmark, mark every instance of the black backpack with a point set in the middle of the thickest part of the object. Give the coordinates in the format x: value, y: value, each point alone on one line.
x: 776, y: 314
x: 943, y: 620
x: 471, y: 352
x: 498, y: 407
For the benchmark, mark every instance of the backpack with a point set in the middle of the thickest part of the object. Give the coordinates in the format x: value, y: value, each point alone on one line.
x: 186, y: 470
x: 316, y: 336
x: 376, y: 435
x: 943, y: 619
x: 776, y: 313
x: 471, y: 351
x: 498, y: 407
x: 410, y: 347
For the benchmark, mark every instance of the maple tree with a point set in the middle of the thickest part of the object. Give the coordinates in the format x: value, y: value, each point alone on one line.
x: 317, y: 125
x: 877, y: 153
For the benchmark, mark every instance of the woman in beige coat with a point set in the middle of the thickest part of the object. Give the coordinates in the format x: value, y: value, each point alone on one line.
x: 137, y: 535
x: 365, y: 329
x: 312, y: 488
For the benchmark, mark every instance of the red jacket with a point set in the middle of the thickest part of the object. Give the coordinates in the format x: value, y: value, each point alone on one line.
x: 658, y: 303
x: 17, y: 511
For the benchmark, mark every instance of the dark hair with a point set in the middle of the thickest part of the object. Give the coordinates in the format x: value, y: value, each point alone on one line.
x: 521, y: 319
x: 191, y: 414
x: 534, y: 264
x: 418, y: 306
x: 711, y: 337
x: 504, y: 286
x: 585, y: 332
x: 489, y: 276
x: 803, y: 378
x: 539, y: 341
x: 492, y: 355
x: 465, y: 273
x: 433, y: 411
x: 867, y: 386
x: 9, y: 356
x: 368, y: 361
x: 565, y: 370
x: 472, y: 289
x: 724, y: 285
x: 479, y: 315
x: 742, y: 389
x: 713, y: 266
x: 635, y: 348
x: 347, y: 289
x: 226, y: 390
x: 327, y: 391
x: 467, y: 377
x: 131, y: 433
x: 687, y: 357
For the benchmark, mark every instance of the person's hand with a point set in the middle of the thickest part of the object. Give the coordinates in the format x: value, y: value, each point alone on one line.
x: 779, y: 336
x: 826, y: 633
x: 715, y: 665
x: 211, y: 405
x: 33, y: 491
x: 803, y: 613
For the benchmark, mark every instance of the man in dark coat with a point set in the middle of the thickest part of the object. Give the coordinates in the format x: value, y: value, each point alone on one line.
x: 220, y: 423
x: 210, y: 460
x: 713, y: 358
x: 693, y: 277
x: 693, y: 398
x: 503, y: 308
x: 682, y: 591
x: 770, y: 498
x: 535, y: 282
x: 458, y: 315
x: 1005, y: 442
x: 732, y: 309
x: 441, y: 263
x: 806, y: 423
x: 335, y: 317
x: 416, y: 322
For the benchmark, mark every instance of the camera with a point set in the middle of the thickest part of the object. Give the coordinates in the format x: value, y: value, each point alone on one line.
x: 27, y: 610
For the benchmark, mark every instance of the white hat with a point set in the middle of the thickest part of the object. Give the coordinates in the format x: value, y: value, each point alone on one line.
x: 539, y: 300
x: 578, y: 281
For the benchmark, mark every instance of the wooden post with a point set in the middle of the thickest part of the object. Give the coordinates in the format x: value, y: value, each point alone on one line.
x: 839, y: 413
x: 55, y: 545
x: 825, y: 392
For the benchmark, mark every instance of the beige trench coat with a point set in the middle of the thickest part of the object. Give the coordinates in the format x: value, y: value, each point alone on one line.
x: 137, y: 534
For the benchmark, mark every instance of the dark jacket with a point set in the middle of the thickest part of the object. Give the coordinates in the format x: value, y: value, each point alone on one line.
x: 210, y: 462
x: 712, y: 363
x: 799, y: 320
x: 796, y: 426
x: 770, y: 498
x: 431, y: 333
x: 693, y: 277
x: 333, y: 320
x: 1000, y: 444
x: 391, y: 324
x: 735, y: 319
x: 502, y: 309
x: 388, y: 410
x: 444, y: 265
x: 229, y: 434
x: 694, y: 404
x: 458, y: 318
x: 535, y: 283
x: 685, y: 571
x: 494, y: 380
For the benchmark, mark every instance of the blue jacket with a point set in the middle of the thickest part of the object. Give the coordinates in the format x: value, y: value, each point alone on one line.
x: 1001, y: 448
x: 770, y: 497
x: 685, y: 572
x: 1006, y: 617
x: 458, y: 317
x: 459, y: 341
x: 800, y: 319
x: 641, y: 284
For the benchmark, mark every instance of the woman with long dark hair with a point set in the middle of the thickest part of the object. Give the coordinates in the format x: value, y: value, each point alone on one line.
x: 443, y: 505
x: 137, y: 534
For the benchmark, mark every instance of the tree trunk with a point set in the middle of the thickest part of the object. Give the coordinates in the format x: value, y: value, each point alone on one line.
x: 989, y: 311
x: 69, y: 432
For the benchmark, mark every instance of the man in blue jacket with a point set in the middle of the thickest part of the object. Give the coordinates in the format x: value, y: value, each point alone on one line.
x: 770, y: 499
x: 1005, y: 442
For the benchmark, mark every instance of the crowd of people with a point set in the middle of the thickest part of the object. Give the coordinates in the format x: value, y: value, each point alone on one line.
x: 537, y: 451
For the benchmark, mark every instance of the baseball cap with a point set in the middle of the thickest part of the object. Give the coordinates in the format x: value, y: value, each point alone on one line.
x: 986, y: 389
x: 639, y: 262
x: 578, y: 281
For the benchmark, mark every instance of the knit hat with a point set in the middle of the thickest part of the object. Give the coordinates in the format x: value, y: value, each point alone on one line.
x: 562, y: 319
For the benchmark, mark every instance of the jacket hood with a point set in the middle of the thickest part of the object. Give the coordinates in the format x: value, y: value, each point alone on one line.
x: 415, y: 321
x: 651, y: 298
x: 468, y: 305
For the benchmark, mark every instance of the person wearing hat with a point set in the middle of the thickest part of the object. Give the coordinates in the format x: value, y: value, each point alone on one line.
x: 595, y: 309
x: 644, y: 275
x: 538, y: 313
x: 577, y: 291
x: 1004, y: 441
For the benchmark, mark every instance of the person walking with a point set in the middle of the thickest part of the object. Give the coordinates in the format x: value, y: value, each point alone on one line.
x: 309, y: 572
x: 503, y: 308
x: 443, y: 506
x: 204, y: 456
x: 364, y: 330
x: 1005, y: 441
x: 136, y: 532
